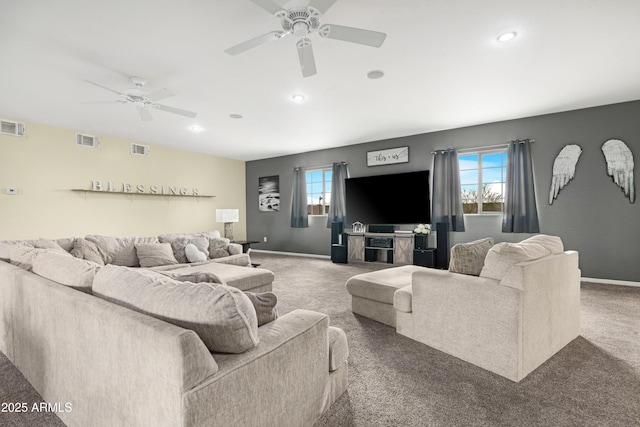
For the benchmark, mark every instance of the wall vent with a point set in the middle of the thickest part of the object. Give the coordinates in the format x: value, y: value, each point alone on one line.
x: 12, y: 128
x: 140, y: 150
x: 87, y: 141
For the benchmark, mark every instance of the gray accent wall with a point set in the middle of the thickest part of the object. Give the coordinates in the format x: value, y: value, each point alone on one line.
x: 591, y: 214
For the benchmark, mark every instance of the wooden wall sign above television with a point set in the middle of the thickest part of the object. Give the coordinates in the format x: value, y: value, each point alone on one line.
x: 388, y: 157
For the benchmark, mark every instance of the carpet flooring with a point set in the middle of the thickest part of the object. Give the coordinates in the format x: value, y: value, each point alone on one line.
x: 395, y: 381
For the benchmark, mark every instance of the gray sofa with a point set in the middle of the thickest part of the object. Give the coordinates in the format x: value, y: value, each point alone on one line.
x: 115, y: 363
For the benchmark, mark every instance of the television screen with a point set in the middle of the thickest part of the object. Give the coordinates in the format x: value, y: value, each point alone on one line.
x: 401, y: 198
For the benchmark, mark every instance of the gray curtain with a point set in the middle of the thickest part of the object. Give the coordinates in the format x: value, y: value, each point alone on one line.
x: 520, y: 210
x: 446, y: 197
x: 338, y: 205
x: 299, y: 215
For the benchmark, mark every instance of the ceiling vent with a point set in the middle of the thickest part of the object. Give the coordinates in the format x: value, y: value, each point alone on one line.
x: 87, y: 141
x: 12, y: 128
x: 140, y: 150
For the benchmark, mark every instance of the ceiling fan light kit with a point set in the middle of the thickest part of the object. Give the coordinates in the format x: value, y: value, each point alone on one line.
x: 142, y: 100
x: 302, y: 18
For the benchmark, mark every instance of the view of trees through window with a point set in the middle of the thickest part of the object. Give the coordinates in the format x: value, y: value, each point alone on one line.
x: 318, y: 191
x: 482, y: 180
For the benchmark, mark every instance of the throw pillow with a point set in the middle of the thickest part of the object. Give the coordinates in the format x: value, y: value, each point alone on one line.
x: 222, y: 316
x: 180, y: 241
x: 155, y: 254
x: 84, y: 249
x: 552, y: 243
x: 264, y: 302
x: 120, y: 250
x: 218, y: 247
x: 194, y: 254
x: 69, y: 271
x: 468, y: 258
x: 502, y: 256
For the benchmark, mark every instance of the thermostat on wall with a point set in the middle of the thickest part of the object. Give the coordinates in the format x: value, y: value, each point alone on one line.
x: 12, y: 190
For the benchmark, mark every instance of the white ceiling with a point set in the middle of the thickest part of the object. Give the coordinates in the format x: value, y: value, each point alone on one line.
x: 443, y: 68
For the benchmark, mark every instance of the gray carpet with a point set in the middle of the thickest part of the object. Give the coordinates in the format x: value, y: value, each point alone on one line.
x: 394, y: 381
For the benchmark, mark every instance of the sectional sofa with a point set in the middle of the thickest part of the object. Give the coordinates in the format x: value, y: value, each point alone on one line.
x: 179, y: 344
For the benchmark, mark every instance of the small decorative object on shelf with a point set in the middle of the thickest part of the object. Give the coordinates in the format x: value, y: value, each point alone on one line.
x: 422, y: 229
x: 357, y: 227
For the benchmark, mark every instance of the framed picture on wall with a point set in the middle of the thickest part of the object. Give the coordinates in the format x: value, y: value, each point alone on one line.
x: 388, y: 157
x: 269, y: 193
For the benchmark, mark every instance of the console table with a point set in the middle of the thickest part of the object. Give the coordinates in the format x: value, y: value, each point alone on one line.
x: 392, y: 248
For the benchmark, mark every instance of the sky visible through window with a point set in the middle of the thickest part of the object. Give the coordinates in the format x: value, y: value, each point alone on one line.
x: 318, y: 190
x: 482, y: 180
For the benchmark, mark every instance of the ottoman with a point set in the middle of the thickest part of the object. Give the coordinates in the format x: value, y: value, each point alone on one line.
x: 372, y: 293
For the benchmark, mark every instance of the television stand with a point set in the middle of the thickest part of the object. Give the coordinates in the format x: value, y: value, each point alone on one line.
x: 391, y: 248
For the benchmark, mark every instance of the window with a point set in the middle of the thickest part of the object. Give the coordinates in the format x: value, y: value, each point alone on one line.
x: 482, y: 181
x: 318, y: 191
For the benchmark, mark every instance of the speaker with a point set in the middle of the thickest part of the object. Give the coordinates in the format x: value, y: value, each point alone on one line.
x: 380, y: 228
x: 336, y: 231
x: 442, y: 230
x: 425, y: 257
x: 339, y: 254
x: 422, y: 241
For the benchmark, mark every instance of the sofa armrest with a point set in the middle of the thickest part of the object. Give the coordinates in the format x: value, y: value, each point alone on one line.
x: 234, y: 248
x: 280, y: 382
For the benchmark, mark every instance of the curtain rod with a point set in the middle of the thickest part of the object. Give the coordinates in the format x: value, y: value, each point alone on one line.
x: 486, y: 147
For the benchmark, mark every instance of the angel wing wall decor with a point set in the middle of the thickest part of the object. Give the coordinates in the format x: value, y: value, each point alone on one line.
x: 620, y: 166
x: 564, y: 169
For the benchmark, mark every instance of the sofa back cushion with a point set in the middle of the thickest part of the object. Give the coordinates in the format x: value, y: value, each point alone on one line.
x: 66, y: 270
x: 222, y: 316
x: 84, y: 249
x: 468, y: 258
x: 120, y: 250
x: 155, y: 254
x: 502, y: 256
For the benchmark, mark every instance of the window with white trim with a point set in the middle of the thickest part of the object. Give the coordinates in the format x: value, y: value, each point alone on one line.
x: 483, y: 180
x: 318, y: 190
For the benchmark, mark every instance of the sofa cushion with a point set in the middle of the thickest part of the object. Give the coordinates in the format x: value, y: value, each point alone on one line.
x: 222, y: 316
x: 381, y: 285
x: 502, y: 256
x: 155, y: 254
x: 265, y: 305
x: 120, y: 250
x: 468, y: 258
x: 552, y: 243
x: 194, y: 254
x: 84, y: 249
x: 24, y: 255
x: 66, y: 270
x: 338, y: 348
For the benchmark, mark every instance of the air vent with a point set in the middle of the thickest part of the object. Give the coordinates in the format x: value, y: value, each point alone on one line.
x: 87, y: 141
x: 140, y: 150
x: 12, y: 128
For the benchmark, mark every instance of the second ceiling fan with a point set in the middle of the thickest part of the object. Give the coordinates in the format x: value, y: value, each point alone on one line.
x: 301, y: 18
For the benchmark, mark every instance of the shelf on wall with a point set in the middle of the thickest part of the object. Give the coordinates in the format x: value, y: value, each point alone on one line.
x: 131, y: 193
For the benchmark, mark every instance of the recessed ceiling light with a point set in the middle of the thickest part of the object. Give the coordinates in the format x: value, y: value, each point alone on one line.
x: 505, y: 37
x: 235, y: 116
x: 298, y: 97
x: 375, y: 74
x: 196, y: 128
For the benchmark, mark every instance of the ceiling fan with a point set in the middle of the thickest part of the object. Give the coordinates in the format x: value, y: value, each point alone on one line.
x: 142, y: 100
x: 301, y: 18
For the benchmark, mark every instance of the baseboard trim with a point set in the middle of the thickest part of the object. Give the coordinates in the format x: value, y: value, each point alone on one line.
x: 610, y: 282
x: 291, y: 254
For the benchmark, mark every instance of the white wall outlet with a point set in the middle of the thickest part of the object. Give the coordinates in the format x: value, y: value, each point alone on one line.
x: 12, y: 190
x: 264, y: 239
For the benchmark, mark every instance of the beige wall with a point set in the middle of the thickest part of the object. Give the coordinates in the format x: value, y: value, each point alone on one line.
x: 46, y: 164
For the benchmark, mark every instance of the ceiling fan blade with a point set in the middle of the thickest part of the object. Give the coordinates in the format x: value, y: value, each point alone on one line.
x: 322, y: 5
x: 175, y: 110
x: 268, y: 5
x: 257, y: 41
x: 106, y: 88
x: 159, y: 94
x: 305, y: 54
x: 101, y: 102
x: 145, y: 115
x: 353, y: 35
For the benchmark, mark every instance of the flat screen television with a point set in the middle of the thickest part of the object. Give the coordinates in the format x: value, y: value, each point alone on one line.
x: 401, y: 198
